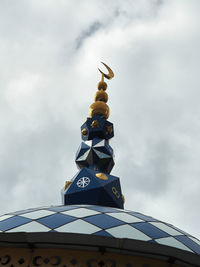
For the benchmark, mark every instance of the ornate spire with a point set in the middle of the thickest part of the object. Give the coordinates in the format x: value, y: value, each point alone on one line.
x: 93, y: 184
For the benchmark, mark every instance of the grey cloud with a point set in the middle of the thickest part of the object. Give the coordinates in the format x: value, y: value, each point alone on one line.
x: 94, y: 27
x: 152, y: 176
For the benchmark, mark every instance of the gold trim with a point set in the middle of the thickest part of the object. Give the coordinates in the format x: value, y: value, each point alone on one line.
x: 102, y: 176
x: 84, y: 132
x: 95, y: 124
x: 67, y: 184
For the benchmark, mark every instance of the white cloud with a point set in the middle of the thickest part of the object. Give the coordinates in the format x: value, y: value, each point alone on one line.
x: 47, y: 85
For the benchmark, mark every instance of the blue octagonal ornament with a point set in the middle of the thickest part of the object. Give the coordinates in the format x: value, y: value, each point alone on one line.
x: 94, y: 188
x: 97, y: 127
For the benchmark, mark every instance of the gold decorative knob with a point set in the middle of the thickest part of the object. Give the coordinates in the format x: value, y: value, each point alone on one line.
x: 102, y: 176
x: 67, y: 184
x: 102, y: 85
x: 101, y: 96
x: 95, y: 124
x: 99, y: 108
x: 84, y: 132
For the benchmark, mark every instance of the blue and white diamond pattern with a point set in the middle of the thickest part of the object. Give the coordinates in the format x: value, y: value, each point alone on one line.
x: 101, y: 221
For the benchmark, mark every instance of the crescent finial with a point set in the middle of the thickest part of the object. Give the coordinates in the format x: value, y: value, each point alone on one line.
x: 110, y: 74
x: 99, y: 107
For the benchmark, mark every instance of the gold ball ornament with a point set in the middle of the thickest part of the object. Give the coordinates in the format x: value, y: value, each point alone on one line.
x: 95, y: 124
x: 84, y: 132
x: 99, y: 108
x: 101, y: 96
x: 102, y: 85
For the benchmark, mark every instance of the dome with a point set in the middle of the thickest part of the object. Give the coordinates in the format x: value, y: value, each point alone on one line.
x: 98, y: 221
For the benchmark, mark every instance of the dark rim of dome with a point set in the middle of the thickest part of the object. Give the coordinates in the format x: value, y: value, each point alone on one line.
x: 101, y: 244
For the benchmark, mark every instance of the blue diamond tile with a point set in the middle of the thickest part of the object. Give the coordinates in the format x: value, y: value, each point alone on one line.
x: 143, y: 217
x: 102, y: 233
x: 149, y: 230
x: 62, y: 208
x: 103, y: 221
x: 56, y: 220
x: 13, y: 222
x: 189, y: 243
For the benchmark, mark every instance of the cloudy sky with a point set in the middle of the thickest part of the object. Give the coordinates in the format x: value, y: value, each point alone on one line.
x: 49, y: 54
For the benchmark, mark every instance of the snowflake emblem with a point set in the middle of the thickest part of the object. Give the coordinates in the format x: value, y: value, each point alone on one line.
x: 83, y: 182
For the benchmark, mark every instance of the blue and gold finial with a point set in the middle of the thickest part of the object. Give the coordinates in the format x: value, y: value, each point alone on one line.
x: 95, y: 158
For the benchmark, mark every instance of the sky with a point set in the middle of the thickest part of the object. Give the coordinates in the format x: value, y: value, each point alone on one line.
x: 49, y: 54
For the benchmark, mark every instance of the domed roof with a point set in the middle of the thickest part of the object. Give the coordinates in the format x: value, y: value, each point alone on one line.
x: 98, y: 221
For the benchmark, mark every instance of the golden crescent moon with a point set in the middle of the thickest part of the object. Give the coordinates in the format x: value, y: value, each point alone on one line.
x: 110, y: 74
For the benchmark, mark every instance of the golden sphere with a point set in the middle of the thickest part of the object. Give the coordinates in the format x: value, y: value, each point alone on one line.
x: 102, y: 85
x: 101, y: 96
x: 99, y: 108
x: 95, y: 124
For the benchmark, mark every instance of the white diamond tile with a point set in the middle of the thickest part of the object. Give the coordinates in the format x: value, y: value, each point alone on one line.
x: 79, y: 226
x: 38, y: 214
x: 126, y: 211
x: 101, y: 143
x: 167, y: 229
x: 124, y: 217
x: 126, y: 231
x: 183, y: 232
x: 89, y: 143
x: 30, y: 227
x: 172, y: 242
x: 101, y: 154
x: 83, y: 157
x: 4, y: 217
x: 81, y: 212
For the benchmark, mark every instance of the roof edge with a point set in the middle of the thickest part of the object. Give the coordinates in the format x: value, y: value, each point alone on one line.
x: 99, y: 243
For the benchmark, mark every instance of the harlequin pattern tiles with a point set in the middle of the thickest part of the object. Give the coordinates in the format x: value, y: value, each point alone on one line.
x: 101, y: 221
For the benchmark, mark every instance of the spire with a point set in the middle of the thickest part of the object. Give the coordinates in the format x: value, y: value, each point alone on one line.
x: 99, y: 106
x: 94, y: 184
